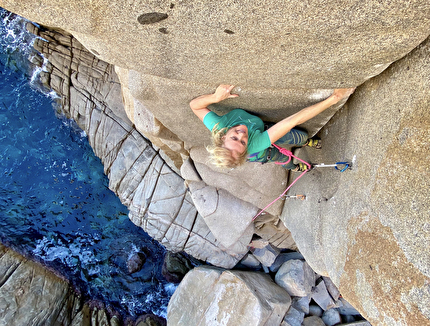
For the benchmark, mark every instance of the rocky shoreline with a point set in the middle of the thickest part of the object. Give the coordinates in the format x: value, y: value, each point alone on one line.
x: 32, y: 295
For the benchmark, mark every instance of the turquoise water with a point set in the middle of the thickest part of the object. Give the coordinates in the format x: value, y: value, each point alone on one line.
x: 55, y: 204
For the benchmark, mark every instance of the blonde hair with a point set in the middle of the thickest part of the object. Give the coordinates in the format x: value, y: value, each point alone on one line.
x: 221, y: 156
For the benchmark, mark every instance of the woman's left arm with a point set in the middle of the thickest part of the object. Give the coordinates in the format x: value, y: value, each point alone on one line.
x: 284, y: 126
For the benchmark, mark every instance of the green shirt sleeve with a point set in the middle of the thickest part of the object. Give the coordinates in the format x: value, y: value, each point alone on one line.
x: 211, y: 119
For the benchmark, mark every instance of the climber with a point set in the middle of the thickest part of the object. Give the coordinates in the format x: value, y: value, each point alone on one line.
x: 239, y: 136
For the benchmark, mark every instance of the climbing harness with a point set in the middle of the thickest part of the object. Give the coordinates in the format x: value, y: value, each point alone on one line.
x: 341, y: 166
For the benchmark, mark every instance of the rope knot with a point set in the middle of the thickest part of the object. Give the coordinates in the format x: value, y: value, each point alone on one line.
x: 286, y: 152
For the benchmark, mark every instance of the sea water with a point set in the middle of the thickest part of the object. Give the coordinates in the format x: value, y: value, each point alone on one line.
x: 55, y: 205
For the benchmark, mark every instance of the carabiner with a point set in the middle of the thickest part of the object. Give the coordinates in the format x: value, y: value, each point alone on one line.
x: 342, y: 169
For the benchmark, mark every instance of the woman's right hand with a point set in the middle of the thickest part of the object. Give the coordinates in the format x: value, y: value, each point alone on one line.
x: 223, y: 92
x: 341, y: 93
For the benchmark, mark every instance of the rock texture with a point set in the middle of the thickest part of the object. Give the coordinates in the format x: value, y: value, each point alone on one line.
x: 368, y: 228
x: 217, y: 297
x: 268, y: 44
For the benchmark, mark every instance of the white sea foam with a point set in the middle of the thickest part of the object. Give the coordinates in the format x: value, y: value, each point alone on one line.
x: 69, y: 254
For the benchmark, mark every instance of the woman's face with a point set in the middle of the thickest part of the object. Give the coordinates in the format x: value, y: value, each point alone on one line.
x: 236, y: 140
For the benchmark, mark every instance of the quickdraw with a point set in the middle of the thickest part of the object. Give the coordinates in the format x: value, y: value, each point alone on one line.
x: 290, y: 155
x: 341, y: 166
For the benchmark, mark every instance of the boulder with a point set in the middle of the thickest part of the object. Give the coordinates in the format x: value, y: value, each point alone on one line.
x: 175, y: 266
x: 135, y: 262
x: 284, y: 257
x: 250, y: 261
x: 331, y: 288
x: 315, y: 310
x: 331, y: 317
x: 212, y: 296
x: 266, y: 255
x: 150, y: 320
x: 32, y: 295
x: 296, y: 277
x: 293, y: 317
x: 313, y: 321
x: 228, y: 217
x: 301, y: 304
x: 321, y: 296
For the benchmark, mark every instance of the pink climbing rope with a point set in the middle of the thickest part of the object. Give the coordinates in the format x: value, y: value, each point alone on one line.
x: 288, y: 153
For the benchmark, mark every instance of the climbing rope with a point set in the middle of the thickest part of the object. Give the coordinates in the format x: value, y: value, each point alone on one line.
x: 290, y: 155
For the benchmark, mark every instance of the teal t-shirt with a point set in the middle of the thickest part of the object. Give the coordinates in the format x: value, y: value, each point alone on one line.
x: 258, y: 139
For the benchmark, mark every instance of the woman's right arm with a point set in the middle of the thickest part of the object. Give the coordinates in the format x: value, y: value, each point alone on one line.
x: 284, y: 126
x: 200, y: 104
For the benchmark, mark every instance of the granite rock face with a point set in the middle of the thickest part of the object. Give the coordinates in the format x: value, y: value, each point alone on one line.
x: 270, y: 44
x: 283, y: 56
x: 218, y: 297
x: 368, y: 228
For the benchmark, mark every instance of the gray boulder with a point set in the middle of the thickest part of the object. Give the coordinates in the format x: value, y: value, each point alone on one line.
x: 315, y: 310
x: 313, y: 321
x: 321, y: 296
x: 293, y: 317
x: 301, y: 304
x: 228, y: 218
x: 284, y: 257
x: 296, y: 277
x: 331, y: 317
x: 251, y: 261
x: 266, y: 255
x: 211, y: 296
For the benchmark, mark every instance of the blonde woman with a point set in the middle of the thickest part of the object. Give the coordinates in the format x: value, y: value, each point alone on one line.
x: 239, y: 136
